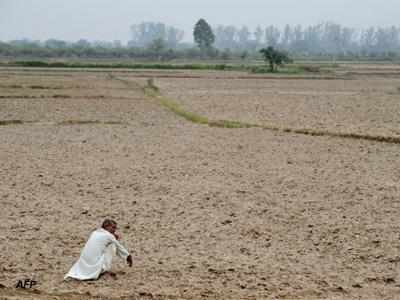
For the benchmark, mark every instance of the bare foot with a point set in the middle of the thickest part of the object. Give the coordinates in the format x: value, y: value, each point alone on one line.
x: 110, y: 274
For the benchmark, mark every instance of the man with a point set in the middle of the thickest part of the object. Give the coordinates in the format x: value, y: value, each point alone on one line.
x: 96, y: 256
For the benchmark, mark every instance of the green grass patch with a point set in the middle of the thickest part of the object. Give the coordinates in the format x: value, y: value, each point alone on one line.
x: 178, y: 110
x: 288, y: 69
x: 11, y: 122
x: 354, y: 136
x: 152, y: 91
x: 59, y: 96
x: 282, y: 70
x: 231, y: 124
x: 43, y: 64
x: 42, y: 87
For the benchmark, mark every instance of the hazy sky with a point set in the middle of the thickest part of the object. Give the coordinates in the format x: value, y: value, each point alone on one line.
x: 110, y: 19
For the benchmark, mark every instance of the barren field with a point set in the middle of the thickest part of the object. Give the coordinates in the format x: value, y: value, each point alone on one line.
x: 357, y: 104
x: 207, y: 212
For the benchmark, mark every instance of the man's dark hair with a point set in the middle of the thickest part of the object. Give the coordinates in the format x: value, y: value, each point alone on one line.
x: 108, y: 222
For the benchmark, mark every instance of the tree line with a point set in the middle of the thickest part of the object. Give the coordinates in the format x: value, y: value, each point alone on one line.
x: 152, y: 40
x: 320, y: 39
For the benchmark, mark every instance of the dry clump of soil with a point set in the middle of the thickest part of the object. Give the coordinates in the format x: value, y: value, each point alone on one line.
x: 207, y: 212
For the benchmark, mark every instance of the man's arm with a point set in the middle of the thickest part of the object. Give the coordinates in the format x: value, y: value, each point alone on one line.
x: 121, y: 250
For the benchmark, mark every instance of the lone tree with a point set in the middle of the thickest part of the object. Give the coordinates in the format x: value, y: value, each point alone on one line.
x: 203, y: 35
x: 275, y: 58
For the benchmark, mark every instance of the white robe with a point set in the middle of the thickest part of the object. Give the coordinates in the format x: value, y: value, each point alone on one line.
x: 96, y: 256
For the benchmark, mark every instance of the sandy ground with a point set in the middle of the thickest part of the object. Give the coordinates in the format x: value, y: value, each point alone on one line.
x: 208, y: 213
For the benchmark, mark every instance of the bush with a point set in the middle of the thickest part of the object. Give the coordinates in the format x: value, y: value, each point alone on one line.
x: 275, y: 58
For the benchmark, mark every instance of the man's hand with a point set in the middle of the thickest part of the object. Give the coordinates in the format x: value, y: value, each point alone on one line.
x: 129, y: 260
x: 117, y: 237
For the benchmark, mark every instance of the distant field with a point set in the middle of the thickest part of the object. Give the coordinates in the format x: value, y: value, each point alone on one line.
x: 364, y: 102
x: 271, y: 210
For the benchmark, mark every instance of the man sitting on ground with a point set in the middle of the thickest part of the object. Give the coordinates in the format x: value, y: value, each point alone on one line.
x: 96, y: 256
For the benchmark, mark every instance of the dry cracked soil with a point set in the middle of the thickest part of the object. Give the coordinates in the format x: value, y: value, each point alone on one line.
x: 207, y: 212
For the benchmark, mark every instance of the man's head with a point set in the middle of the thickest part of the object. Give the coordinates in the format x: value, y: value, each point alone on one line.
x: 109, y: 225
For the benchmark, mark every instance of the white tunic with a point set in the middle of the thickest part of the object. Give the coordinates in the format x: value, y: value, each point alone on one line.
x: 96, y: 256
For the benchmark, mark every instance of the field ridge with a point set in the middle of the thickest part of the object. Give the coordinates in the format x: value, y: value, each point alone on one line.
x: 153, y: 91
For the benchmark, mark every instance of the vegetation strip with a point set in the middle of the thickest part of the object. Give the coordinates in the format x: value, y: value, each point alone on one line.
x: 251, y: 76
x: 10, y: 122
x: 152, y: 91
x: 61, y: 123
x: 44, y: 64
x: 316, y: 72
